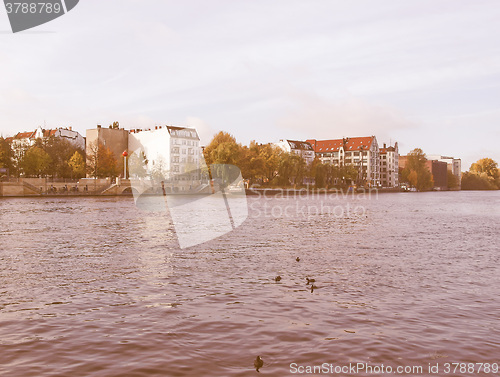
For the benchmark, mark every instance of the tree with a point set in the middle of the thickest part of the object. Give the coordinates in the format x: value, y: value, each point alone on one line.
x: 482, y: 175
x: 36, y: 162
x: 485, y: 165
x: 6, y: 155
x: 223, y: 149
x: 291, y: 169
x: 137, y: 164
x: 77, y: 165
x: 452, y: 181
x: 416, y: 172
x: 474, y: 181
x: 60, y: 151
x: 100, y: 161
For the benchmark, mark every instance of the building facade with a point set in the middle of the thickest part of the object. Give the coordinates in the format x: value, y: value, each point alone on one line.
x: 172, y: 155
x: 360, y: 152
x: 27, y: 139
x: 114, y: 138
x: 301, y: 148
x: 389, y: 166
x: 454, y: 165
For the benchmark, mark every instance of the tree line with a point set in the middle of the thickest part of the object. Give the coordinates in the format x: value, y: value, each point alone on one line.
x: 56, y: 158
x: 269, y: 165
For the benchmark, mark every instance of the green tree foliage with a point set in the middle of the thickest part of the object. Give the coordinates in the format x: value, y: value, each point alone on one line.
x: 482, y: 175
x: 291, y: 170
x: 6, y: 155
x: 416, y: 172
x: 36, y: 162
x: 223, y: 149
x: 77, y: 165
x: 101, y: 162
x: 60, y: 151
x: 452, y: 181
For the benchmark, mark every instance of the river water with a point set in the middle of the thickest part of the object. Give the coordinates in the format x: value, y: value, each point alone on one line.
x: 98, y: 287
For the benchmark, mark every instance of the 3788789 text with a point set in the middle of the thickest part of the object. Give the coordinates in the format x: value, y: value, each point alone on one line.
x: 33, y: 8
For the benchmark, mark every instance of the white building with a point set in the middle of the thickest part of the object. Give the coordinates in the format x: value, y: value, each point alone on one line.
x: 454, y: 165
x: 389, y: 166
x: 301, y: 148
x: 361, y: 152
x: 27, y: 139
x: 168, y: 154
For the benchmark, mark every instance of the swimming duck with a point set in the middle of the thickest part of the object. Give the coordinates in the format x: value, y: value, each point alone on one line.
x: 277, y: 278
x: 313, y: 287
x: 309, y: 281
x: 297, y: 259
x: 258, y: 363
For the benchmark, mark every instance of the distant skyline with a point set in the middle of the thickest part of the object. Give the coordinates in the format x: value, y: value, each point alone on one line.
x: 423, y: 73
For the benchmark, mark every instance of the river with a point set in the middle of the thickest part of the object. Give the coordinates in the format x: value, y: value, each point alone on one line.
x: 98, y: 287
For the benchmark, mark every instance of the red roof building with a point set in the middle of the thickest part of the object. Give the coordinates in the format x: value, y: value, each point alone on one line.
x: 361, y: 152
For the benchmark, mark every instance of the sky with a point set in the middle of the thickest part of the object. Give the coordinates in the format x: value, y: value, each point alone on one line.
x: 423, y: 73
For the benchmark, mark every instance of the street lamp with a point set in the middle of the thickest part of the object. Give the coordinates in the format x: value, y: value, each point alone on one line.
x: 125, y: 154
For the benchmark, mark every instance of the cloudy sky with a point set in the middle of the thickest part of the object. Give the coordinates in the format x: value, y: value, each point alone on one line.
x: 423, y: 73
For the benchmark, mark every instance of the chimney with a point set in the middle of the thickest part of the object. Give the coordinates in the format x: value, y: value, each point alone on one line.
x: 156, y: 127
x: 385, y: 145
x: 98, y: 126
x: 70, y: 128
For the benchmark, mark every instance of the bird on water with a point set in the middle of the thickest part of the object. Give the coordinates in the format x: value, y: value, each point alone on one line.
x: 309, y: 281
x: 297, y: 259
x: 258, y: 363
x: 277, y: 278
x: 313, y: 287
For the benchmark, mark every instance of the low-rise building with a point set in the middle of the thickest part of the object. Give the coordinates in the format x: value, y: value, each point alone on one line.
x: 301, y: 148
x: 360, y: 152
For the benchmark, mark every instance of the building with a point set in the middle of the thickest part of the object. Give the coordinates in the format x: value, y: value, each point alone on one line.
x: 454, y: 165
x: 170, y: 154
x: 361, y: 152
x: 301, y: 148
x: 439, y: 170
x: 27, y: 139
x: 114, y: 138
x: 389, y: 166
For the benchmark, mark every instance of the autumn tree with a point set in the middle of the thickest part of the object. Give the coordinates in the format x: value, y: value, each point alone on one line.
x: 101, y: 162
x: 416, y: 172
x: 485, y: 165
x: 60, y: 151
x: 77, y: 165
x: 482, y: 175
x: 35, y: 162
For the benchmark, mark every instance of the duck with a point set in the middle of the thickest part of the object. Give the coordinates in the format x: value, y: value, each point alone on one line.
x: 297, y: 259
x: 258, y: 363
x: 309, y: 281
x: 313, y: 287
x: 277, y: 278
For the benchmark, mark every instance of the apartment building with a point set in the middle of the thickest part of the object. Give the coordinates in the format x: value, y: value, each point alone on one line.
x: 360, y: 152
x: 301, y: 148
x: 454, y: 165
x: 27, y: 139
x: 389, y: 166
x: 171, y: 154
